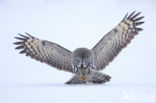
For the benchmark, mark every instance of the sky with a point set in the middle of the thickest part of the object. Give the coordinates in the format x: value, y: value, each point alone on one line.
x: 73, y: 24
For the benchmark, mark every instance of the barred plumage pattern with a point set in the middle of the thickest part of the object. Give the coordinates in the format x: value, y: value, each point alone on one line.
x: 45, y: 51
x: 90, y: 61
x: 118, y: 38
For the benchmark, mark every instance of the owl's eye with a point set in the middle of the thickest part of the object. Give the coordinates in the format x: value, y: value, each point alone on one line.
x: 78, y: 62
x: 86, y: 60
x: 90, y: 65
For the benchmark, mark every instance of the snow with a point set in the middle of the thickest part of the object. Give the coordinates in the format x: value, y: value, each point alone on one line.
x: 74, y: 24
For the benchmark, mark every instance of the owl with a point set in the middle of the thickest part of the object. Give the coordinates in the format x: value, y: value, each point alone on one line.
x: 85, y: 64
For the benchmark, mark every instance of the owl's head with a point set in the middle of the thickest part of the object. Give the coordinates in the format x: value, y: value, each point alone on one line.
x: 82, y: 61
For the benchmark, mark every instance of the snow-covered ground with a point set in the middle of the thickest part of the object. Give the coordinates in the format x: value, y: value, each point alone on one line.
x: 72, y: 24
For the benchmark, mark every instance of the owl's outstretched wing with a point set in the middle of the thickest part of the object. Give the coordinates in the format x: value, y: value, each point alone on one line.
x: 45, y: 51
x: 118, y: 38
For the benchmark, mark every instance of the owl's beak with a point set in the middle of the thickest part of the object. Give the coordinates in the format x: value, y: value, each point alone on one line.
x: 83, y: 78
x: 81, y: 65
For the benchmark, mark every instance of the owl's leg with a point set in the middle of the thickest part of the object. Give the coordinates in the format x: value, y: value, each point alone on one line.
x: 98, y: 77
x: 75, y: 80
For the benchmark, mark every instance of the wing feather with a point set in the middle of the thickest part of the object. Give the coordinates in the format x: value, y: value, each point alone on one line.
x: 118, y: 38
x: 45, y: 51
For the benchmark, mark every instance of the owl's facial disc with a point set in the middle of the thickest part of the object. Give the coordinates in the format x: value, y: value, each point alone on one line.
x: 82, y: 68
x: 82, y: 63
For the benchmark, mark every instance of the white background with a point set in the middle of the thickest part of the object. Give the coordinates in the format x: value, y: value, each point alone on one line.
x: 73, y: 24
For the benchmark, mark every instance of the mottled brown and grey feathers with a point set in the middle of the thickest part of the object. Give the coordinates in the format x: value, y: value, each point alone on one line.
x: 84, y: 63
x: 45, y: 51
x: 118, y: 38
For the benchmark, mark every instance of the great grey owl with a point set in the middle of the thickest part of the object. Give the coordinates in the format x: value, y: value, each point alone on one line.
x: 84, y: 63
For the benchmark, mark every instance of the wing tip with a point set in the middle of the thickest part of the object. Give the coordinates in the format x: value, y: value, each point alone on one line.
x: 21, y: 43
x: 136, y: 20
x: 28, y: 34
x: 132, y: 16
